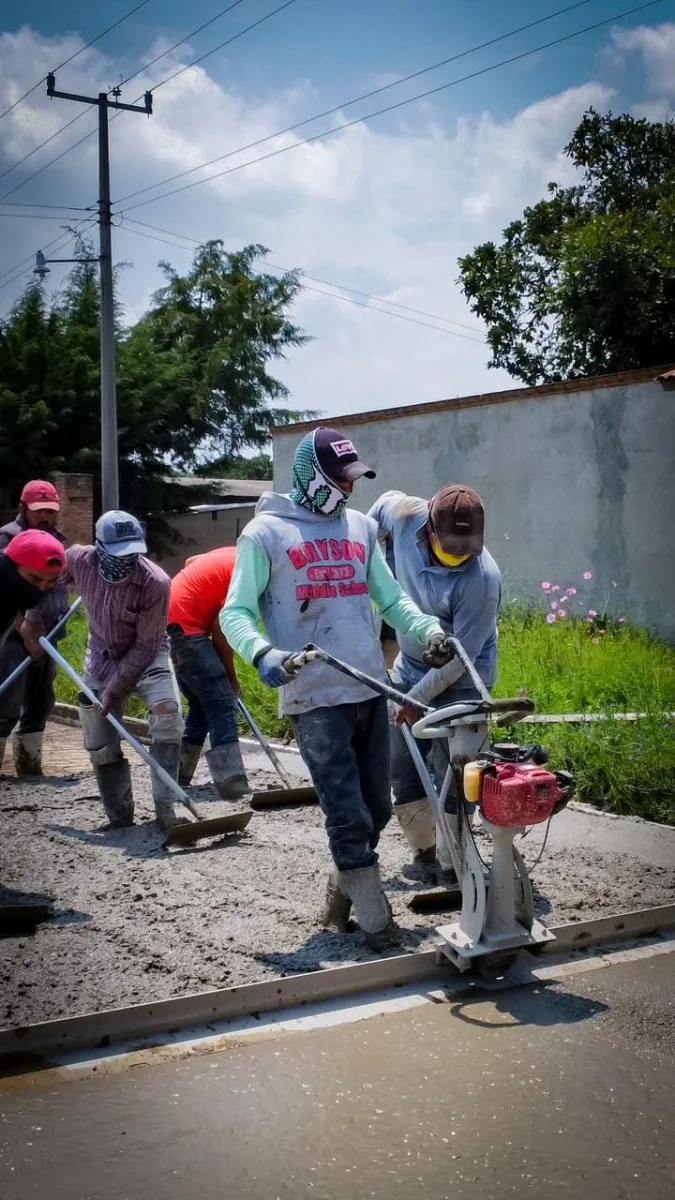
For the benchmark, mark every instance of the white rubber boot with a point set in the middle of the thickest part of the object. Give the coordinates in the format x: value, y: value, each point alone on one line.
x: 27, y: 750
x: 418, y: 823
x: 227, y: 770
x: 364, y: 888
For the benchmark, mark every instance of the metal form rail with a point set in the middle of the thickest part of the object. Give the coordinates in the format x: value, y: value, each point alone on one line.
x: 203, y: 1016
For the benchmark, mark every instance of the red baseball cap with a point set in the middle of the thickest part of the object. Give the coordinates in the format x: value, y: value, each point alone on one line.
x: 40, y: 494
x: 38, y: 551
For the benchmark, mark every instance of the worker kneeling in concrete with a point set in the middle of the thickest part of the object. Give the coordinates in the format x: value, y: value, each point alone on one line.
x: 205, y: 668
x: 315, y: 570
x: 26, y: 705
x: 126, y: 599
x: 441, y: 562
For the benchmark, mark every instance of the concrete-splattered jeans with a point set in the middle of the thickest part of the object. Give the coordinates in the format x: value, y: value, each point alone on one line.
x: 346, y: 750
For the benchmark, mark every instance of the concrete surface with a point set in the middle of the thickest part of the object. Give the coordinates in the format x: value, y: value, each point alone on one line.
x: 133, y: 923
x: 543, y: 1092
x: 578, y: 480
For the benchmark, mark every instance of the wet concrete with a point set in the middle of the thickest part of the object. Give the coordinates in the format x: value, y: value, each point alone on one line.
x: 538, y: 1092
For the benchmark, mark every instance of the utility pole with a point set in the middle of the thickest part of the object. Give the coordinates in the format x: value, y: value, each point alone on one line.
x: 109, y: 455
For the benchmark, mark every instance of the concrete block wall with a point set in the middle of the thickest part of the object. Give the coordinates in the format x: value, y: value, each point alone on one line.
x: 576, y: 477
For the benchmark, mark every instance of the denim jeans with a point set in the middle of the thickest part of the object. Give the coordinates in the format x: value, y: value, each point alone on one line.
x: 28, y: 703
x: 405, y: 781
x: 203, y: 680
x: 346, y: 749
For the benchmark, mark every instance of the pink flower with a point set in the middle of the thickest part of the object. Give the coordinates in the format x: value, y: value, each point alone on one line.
x: 561, y: 614
x: 592, y: 613
x: 546, y: 586
x: 554, y: 605
x: 563, y: 599
x: 550, y: 618
x: 556, y: 587
x: 588, y: 575
x: 571, y: 592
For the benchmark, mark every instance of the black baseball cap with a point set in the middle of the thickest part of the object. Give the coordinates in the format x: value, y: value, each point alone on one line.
x: 337, y: 456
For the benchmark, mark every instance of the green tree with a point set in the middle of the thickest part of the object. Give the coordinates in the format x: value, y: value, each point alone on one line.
x: 193, y: 377
x: 584, y: 282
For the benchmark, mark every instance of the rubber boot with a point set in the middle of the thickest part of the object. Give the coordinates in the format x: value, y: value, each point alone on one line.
x: 364, y: 888
x: 227, y: 770
x: 27, y: 749
x: 3, y: 743
x: 418, y: 823
x: 337, y: 905
x: 167, y: 754
x: 114, y: 787
x: 189, y: 757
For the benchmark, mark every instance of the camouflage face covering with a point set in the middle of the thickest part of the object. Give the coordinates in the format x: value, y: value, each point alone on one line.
x: 112, y: 569
x: 311, y: 488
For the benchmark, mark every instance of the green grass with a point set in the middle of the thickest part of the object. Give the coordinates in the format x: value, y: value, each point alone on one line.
x: 568, y: 667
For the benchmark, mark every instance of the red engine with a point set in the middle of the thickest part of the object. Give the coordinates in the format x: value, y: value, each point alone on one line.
x: 519, y: 794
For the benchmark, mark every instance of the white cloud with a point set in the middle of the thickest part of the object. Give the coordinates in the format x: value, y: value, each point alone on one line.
x: 385, y: 211
x: 655, y: 45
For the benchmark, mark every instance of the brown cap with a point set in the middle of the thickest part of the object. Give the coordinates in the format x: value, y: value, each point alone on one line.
x: 457, y: 517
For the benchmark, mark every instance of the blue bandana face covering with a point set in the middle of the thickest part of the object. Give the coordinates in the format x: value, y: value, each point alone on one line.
x: 311, y: 488
x: 112, y: 569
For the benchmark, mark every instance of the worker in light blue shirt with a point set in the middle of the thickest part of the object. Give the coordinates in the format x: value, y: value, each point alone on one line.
x: 442, y: 564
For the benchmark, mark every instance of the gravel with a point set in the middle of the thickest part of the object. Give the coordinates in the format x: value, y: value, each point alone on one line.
x: 134, y: 923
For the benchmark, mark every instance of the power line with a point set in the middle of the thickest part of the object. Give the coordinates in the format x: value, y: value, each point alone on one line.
x: 23, y: 204
x: 188, y: 36
x: 327, y: 282
x: 76, y: 55
x: 392, y: 107
x: 38, y: 216
x: 156, y: 87
x: 356, y: 99
x: 332, y: 295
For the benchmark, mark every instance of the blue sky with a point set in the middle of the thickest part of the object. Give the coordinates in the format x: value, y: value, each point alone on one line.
x: 385, y: 207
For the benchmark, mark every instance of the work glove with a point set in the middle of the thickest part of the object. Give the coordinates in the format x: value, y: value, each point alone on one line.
x: 112, y: 700
x: 276, y: 667
x: 439, y: 651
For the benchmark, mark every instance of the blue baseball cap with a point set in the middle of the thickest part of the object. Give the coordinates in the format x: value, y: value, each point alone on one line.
x: 120, y: 533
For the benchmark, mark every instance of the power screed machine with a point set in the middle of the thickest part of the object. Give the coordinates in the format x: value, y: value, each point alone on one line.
x: 513, y: 790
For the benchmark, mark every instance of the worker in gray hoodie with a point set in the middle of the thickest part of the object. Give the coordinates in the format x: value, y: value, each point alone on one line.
x: 314, y: 571
x: 441, y: 561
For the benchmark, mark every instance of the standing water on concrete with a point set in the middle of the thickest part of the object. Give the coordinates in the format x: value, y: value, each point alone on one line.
x: 533, y: 1092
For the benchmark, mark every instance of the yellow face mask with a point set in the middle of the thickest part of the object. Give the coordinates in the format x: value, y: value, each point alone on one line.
x: 448, y: 560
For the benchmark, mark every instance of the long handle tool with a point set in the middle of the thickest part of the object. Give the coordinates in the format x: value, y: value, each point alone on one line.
x: 178, y: 835
x: 7, y: 683
x: 288, y: 796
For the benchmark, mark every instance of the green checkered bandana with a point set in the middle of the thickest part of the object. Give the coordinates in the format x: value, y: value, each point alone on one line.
x: 311, y: 488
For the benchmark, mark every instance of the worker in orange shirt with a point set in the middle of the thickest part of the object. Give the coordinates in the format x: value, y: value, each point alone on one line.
x: 204, y: 665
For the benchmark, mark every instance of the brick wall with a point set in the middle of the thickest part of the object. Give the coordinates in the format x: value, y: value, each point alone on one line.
x: 76, y: 519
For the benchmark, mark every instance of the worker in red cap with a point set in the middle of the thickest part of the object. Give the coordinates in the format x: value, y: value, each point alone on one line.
x: 29, y: 568
x: 27, y: 704
x: 440, y: 560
